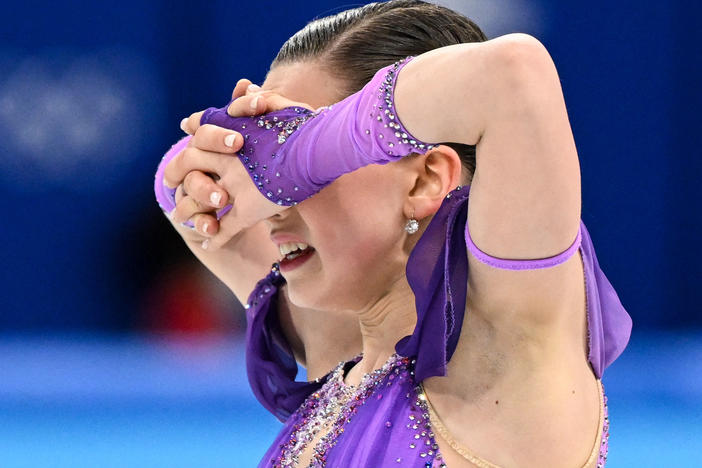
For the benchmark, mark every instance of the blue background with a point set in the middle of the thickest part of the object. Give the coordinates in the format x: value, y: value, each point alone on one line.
x: 91, y: 94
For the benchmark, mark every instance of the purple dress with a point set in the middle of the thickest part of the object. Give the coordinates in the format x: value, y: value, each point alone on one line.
x: 387, y: 424
x: 383, y: 422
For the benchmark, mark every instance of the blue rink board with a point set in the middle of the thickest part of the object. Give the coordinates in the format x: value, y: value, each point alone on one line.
x: 116, y: 401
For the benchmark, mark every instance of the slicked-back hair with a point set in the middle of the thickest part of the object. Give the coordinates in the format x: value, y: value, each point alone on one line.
x: 354, y: 44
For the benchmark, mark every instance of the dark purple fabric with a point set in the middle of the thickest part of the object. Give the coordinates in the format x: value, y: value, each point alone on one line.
x: 437, y: 272
x: 270, y: 364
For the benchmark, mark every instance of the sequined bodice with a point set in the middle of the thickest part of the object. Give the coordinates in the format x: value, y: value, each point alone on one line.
x: 383, y: 421
x: 386, y: 400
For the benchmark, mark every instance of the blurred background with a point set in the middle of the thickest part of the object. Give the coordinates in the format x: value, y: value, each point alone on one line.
x: 118, y: 349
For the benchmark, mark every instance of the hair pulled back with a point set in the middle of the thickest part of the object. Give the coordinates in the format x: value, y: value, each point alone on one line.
x: 354, y: 44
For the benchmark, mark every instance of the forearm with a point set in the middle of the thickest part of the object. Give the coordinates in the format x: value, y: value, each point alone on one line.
x: 240, y: 263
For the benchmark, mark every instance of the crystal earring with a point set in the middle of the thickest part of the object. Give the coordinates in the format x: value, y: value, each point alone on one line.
x: 412, y: 225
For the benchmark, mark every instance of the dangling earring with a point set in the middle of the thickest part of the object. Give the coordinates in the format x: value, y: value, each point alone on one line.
x: 412, y: 225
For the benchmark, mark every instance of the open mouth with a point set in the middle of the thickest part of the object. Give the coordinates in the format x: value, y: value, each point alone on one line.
x: 293, y: 254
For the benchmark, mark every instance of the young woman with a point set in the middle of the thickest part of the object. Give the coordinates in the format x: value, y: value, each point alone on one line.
x: 454, y: 281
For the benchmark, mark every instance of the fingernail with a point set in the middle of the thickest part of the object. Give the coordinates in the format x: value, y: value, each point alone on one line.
x: 254, y: 102
x: 253, y: 87
x: 229, y: 139
x: 205, y: 244
x: 215, y: 198
x: 182, y: 124
x: 205, y: 227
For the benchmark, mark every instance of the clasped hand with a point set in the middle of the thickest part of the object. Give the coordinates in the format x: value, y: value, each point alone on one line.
x: 209, y: 176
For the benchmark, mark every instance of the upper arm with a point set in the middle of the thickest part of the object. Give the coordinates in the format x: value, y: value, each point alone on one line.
x: 241, y: 262
x: 505, y: 97
x: 525, y: 193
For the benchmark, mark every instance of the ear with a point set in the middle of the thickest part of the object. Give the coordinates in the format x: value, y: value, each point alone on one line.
x: 436, y: 172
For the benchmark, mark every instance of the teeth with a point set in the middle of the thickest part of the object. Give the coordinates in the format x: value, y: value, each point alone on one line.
x: 289, y: 247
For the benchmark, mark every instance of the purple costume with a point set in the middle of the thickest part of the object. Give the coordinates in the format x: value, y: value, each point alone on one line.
x: 383, y: 422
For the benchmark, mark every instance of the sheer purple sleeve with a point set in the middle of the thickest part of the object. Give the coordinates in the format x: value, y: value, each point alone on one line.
x: 293, y: 153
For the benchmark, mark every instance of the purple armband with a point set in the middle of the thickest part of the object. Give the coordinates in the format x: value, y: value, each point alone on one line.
x: 165, y: 196
x: 293, y: 153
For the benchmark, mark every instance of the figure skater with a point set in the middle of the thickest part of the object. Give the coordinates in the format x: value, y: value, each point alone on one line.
x: 417, y: 189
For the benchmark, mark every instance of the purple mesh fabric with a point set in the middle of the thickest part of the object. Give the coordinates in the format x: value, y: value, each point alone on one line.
x: 437, y: 272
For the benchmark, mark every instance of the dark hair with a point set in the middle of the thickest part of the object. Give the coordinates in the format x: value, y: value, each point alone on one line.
x: 354, y: 44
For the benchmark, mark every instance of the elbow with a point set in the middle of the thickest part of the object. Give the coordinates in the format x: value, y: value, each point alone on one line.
x: 522, y: 59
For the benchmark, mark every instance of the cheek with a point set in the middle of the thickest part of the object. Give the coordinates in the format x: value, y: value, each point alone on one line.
x: 356, y: 226
x: 358, y: 221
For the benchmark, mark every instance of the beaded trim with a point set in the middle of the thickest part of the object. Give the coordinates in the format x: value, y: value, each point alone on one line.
x: 258, y: 172
x: 388, y: 115
x: 266, y: 289
x: 332, y: 407
x: 284, y: 128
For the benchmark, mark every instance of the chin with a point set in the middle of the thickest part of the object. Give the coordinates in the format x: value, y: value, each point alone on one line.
x: 312, y: 295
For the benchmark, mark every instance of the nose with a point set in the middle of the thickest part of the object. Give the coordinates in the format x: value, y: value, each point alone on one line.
x: 280, y: 217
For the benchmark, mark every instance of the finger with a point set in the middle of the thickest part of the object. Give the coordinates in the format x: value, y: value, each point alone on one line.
x: 217, y: 139
x: 204, y: 190
x: 240, y: 88
x: 187, y: 208
x: 251, y: 104
x: 193, y: 159
x: 260, y: 103
x: 180, y: 193
x: 253, y: 88
x: 205, y: 224
x: 229, y: 227
x: 190, y: 124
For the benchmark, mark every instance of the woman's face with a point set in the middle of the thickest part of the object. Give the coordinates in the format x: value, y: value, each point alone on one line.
x: 354, y: 226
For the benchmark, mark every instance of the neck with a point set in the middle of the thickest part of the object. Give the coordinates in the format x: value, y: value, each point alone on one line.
x: 382, y: 325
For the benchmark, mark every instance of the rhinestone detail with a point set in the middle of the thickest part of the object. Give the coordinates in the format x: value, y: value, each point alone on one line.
x: 331, y: 408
